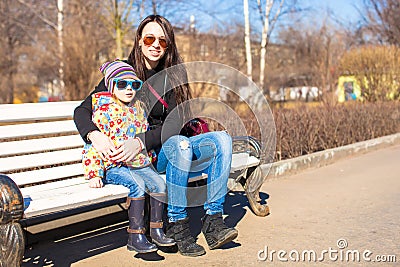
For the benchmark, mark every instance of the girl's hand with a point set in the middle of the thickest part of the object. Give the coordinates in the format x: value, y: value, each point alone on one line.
x: 95, y: 182
x: 127, y: 151
x: 102, y: 144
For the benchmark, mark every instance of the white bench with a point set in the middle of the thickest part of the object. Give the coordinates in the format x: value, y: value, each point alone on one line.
x: 40, y: 151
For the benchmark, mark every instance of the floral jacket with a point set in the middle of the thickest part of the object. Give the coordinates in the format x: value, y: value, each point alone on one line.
x: 119, y: 122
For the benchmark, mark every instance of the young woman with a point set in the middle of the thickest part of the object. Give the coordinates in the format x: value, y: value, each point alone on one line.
x: 155, y: 50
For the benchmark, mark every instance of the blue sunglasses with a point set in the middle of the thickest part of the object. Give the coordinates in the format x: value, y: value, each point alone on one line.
x: 122, y: 84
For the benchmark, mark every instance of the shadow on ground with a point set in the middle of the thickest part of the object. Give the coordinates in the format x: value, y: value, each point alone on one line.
x: 66, y: 245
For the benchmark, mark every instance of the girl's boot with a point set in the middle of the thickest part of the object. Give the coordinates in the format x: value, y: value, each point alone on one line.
x: 137, y: 240
x: 156, y: 223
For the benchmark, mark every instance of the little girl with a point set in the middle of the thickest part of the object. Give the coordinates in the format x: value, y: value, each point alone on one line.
x: 114, y: 115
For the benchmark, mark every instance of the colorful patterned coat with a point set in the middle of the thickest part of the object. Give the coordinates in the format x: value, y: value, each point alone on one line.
x: 119, y: 122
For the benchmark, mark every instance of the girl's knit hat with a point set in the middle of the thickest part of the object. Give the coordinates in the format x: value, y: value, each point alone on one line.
x: 116, y: 69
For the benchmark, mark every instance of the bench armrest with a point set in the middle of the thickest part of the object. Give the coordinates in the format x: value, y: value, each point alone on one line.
x: 247, y: 144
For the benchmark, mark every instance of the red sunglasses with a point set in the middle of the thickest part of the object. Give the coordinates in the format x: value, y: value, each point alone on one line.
x: 150, y: 39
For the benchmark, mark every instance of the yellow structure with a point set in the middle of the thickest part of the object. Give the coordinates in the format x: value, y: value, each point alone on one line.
x: 348, y: 89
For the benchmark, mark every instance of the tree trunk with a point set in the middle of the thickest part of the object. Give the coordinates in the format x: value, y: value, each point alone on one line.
x: 118, y: 31
x: 247, y: 41
x: 141, y: 10
x: 10, y: 84
x: 264, y: 38
x: 154, y: 5
x: 60, y: 18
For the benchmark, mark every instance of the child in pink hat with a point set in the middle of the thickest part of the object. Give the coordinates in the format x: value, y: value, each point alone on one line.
x: 118, y: 115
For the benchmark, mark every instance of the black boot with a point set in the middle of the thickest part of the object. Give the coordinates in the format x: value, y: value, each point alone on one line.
x: 156, y: 224
x: 187, y: 246
x: 216, y: 232
x: 137, y: 241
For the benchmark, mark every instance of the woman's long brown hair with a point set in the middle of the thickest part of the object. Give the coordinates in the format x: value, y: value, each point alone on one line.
x: 170, y: 58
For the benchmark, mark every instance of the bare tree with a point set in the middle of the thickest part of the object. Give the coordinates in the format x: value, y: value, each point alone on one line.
x: 119, y: 19
x: 60, y: 33
x: 382, y: 20
x: 154, y: 6
x: 58, y: 28
x: 272, y: 11
x: 247, y: 40
x: 266, y: 31
x: 15, y: 32
x: 269, y: 14
x: 171, y: 8
x: 316, y: 51
x: 89, y: 45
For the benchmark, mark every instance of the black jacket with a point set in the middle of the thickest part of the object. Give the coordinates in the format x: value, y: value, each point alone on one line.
x: 163, y: 122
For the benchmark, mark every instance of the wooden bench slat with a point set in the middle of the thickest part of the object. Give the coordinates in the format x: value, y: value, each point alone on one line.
x: 48, y: 187
x: 69, y: 194
x: 195, y: 178
x: 40, y: 202
x: 37, y: 111
x: 49, y: 174
x: 39, y: 145
x: 242, y: 161
x: 41, y: 159
x: 40, y: 128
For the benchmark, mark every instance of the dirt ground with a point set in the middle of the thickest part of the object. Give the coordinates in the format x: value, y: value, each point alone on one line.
x: 342, y: 210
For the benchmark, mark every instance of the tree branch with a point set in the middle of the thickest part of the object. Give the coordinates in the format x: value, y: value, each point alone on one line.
x: 37, y: 14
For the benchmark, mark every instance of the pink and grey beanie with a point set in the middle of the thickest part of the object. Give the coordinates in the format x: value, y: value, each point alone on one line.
x: 116, y: 69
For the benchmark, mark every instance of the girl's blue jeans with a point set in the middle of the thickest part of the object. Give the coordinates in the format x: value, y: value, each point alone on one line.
x: 138, y: 181
x: 180, y: 156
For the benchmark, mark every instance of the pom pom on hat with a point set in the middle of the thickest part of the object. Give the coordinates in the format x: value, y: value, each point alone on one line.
x: 116, y: 69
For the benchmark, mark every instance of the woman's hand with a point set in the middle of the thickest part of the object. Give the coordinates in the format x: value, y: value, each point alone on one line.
x: 127, y: 151
x: 102, y: 144
x: 95, y: 182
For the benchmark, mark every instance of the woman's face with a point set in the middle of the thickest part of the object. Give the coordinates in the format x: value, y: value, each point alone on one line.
x: 153, y: 51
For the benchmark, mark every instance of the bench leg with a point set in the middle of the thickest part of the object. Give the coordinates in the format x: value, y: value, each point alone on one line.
x: 252, y: 187
x: 12, y: 240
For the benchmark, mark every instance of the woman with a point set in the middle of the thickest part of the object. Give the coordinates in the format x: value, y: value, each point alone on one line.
x: 154, y: 50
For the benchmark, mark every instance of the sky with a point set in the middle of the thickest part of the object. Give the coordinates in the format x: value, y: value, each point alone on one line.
x: 211, y: 12
x: 345, y: 10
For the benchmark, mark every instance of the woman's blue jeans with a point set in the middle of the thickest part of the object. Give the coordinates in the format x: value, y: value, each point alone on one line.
x: 136, y: 180
x: 180, y: 156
